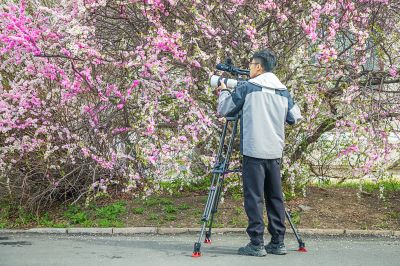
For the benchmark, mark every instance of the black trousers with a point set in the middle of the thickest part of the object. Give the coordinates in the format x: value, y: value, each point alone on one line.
x: 262, y: 180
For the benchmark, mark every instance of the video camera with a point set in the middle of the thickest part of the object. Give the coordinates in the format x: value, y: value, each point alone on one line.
x: 229, y: 67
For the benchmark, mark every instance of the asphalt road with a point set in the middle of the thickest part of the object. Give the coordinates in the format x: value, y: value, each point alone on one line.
x: 86, y: 250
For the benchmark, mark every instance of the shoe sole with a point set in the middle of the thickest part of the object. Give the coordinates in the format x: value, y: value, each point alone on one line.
x: 254, y: 255
x: 276, y: 253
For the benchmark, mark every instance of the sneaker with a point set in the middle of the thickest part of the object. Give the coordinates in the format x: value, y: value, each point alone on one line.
x: 276, y: 248
x: 252, y: 250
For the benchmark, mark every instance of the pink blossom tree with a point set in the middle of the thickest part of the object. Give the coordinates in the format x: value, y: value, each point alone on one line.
x: 99, y: 95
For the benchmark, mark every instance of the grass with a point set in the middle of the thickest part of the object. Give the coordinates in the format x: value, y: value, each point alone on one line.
x: 170, y: 209
x: 178, y: 185
x: 24, y: 217
x: 109, y: 223
x: 157, y: 201
x: 138, y: 210
x: 111, y: 212
x: 170, y: 217
x: 46, y: 221
x: 4, y: 214
x: 184, y: 206
x: 3, y: 225
x: 197, y: 212
x: 109, y: 216
x: 237, y: 196
x: 153, y: 217
x: 295, y: 217
x: 368, y: 186
x: 394, y: 215
x: 239, y: 210
x: 166, y: 210
x: 75, y: 215
x: 237, y: 222
x: 104, y: 216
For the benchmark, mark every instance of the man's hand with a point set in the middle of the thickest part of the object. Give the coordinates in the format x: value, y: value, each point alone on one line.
x: 220, y: 88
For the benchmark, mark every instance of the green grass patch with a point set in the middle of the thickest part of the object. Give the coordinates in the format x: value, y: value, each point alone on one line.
x: 111, y: 212
x: 237, y: 222
x: 46, y: 221
x: 184, y: 206
x: 104, y: 216
x: 24, y: 217
x: 368, y: 186
x: 295, y: 217
x: 289, y: 196
x: 4, y: 214
x: 157, y: 201
x: 179, y: 185
x: 76, y: 215
x: 109, y: 223
x: 197, y: 212
x: 153, y: 217
x: 239, y: 211
x: 395, y: 215
x: 237, y: 196
x: 3, y: 224
x: 88, y: 223
x: 218, y: 225
x: 138, y: 210
x: 170, y: 209
x: 170, y: 217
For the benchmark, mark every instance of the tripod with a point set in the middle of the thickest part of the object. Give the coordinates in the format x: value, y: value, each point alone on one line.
x: 221, y: 168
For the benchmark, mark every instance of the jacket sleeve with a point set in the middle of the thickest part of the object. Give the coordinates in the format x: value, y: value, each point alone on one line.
x: 230, y: 103
x: 294, y: 114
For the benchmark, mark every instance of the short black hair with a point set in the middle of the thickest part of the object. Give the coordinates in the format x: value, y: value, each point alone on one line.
x: 266, y: 58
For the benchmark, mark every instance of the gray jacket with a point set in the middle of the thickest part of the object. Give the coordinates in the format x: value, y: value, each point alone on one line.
x: 265, y: 104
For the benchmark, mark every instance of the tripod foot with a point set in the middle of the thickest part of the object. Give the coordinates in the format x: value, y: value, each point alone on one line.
x: 207, y: 241
x: 196, y: 254
x: 196, y: 251
x: 302, y: 247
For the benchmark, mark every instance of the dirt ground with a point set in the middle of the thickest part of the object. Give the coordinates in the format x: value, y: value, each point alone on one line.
x: 342, y: 208
x: 334, y: 208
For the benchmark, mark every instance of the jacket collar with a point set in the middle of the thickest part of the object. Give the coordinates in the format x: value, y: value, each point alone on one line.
x: 268, y: 80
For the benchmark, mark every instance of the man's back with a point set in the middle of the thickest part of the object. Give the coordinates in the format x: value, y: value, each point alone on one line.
x: 265, y: 102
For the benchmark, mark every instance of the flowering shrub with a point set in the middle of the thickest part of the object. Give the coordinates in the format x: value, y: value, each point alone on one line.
x: 98, y: 94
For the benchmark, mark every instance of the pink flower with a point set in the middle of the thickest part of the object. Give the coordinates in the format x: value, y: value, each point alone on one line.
x: 182, y: 138
x: 250, y: 31
x: 150, y: 128
x: 196, y: 63
x: 152, y: 159
x: 393, y: 71
x: 351, y: 149
x: 268, y: 5
x: 85, y: 152
x: 179, y: 94
x: 166, y: 148
x: 135, y: 84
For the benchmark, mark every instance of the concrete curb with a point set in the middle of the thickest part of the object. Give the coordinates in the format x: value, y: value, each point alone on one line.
x: 90, y: 231
x: 168, y: 230
x: 134, y: 230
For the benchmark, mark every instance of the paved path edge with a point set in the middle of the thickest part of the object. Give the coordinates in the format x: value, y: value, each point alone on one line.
x: 168, y: 230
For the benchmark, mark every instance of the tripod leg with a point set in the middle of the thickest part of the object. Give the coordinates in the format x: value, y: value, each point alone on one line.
x: 302, y: 245
x: 213, y: 211
x: 225, y: 167
x: 215, y: 184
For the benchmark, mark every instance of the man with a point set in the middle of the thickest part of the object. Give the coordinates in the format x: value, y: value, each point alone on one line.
x: 265, y: 104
